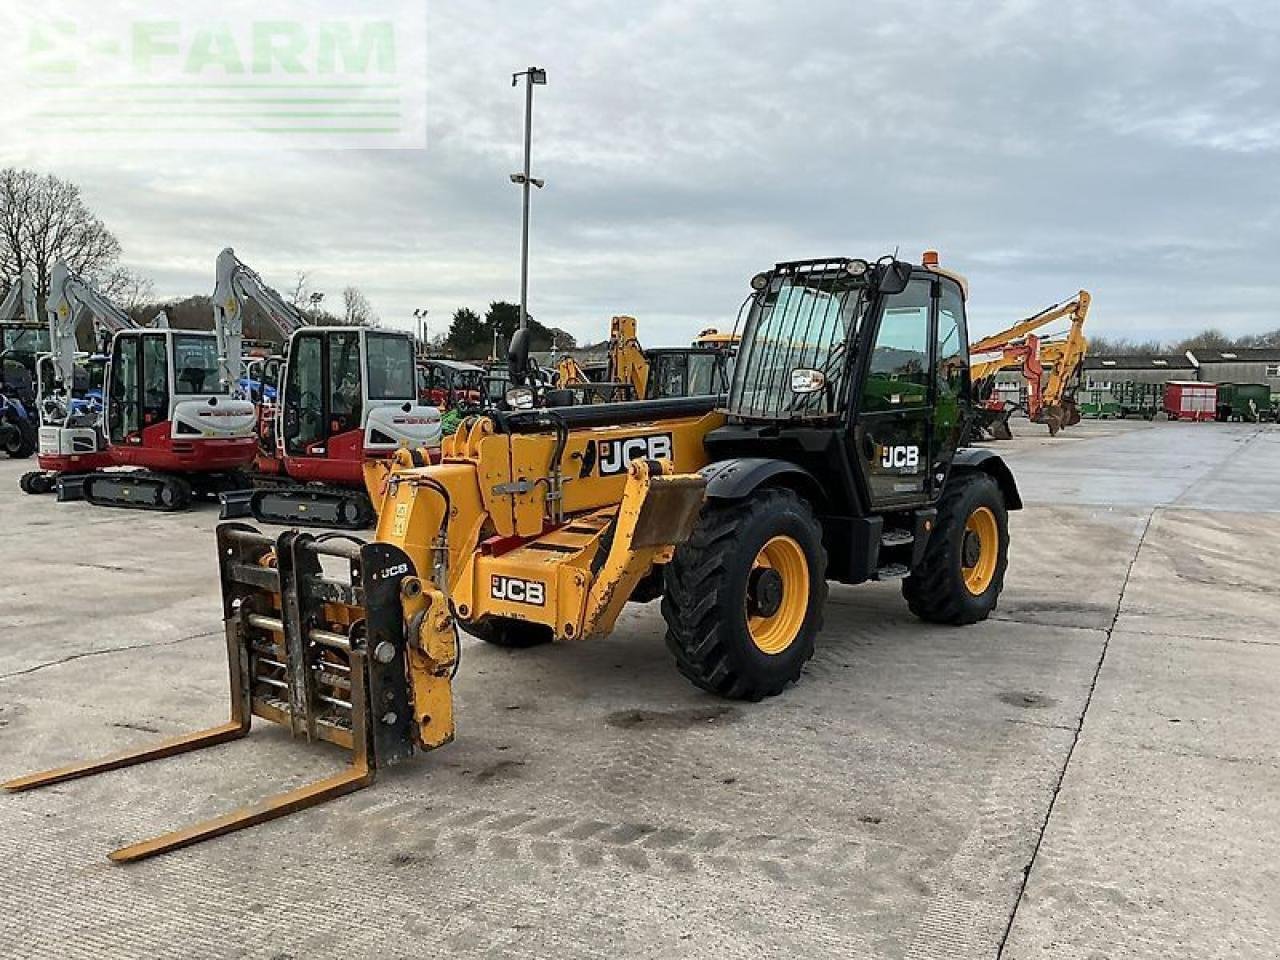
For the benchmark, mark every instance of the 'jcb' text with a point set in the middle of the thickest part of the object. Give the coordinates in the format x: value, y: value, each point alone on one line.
x: 617, y: 455
x: 515, y: 590
x: 900, y: 458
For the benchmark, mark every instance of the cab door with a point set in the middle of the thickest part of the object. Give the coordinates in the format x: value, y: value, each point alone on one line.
x: 304, y: 411
x: 893, y: 432
x: 952, y: 403
x: 124, y: 390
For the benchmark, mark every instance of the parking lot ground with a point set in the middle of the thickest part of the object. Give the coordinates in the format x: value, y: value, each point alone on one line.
x: 1091, y: 773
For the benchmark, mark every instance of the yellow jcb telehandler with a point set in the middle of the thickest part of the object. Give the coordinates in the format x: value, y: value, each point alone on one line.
x: 834, y: 456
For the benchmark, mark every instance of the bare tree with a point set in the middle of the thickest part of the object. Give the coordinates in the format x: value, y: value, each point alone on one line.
x: 1211, y: 339
x: 44, y: 219
x: 356, y: 309
x: 1123, y: 346
x: 301, y: 290
x: 128, y: 288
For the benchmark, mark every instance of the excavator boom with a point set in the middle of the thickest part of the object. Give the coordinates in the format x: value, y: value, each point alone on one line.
x: 1051, y: 368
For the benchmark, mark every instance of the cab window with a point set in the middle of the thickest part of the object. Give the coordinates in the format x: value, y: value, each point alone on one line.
x: 155, y: 379
x: 125, y: 414
x: 346, y: 389
x: 952, y: 351
x: 898, y: 376
x: 391, y: 367
x: 304, y: 410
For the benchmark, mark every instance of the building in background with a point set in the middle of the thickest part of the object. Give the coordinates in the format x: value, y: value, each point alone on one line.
x: 1130, y: 385
x: 1240, y: 365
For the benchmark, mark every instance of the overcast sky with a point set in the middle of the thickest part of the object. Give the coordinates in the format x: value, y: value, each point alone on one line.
x: 1129, y: 148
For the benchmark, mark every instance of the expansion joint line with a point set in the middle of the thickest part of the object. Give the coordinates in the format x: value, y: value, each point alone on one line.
x: 1066, y: 763
x: 98, y: 653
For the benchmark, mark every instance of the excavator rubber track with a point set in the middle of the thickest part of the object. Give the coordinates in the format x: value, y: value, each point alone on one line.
x: 323, y: 655
x: 314, y: 505
x: 135, y: 490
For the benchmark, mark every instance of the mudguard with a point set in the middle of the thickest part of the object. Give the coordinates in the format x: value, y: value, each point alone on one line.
x: 737, y: 478
x: 989, y: 462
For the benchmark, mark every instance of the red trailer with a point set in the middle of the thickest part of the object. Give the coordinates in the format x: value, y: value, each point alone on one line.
x: 1191, y: 400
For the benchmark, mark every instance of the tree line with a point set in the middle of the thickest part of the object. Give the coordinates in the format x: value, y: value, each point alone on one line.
x: 471, y: 337
x: 1209, y: 339
x: 44, y: 219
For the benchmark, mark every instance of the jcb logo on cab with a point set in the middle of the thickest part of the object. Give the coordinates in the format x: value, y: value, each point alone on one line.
x: 900, y: 458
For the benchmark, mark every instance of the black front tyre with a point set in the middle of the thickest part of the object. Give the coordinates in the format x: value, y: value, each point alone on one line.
x: 744, y: 595
x: 960, y: 578
x: 36, y: 482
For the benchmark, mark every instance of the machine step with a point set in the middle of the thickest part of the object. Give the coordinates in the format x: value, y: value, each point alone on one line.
x: 893, y: 571
x: 896, y: 538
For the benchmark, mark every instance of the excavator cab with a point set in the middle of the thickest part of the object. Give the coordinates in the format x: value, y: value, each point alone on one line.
x: 688, y: 371
x: 165, y: 403
x: 350, y: 394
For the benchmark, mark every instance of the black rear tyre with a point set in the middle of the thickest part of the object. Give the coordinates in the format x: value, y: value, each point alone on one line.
x: 744, y: 595
x: 962, y: 573
x: 22, y: 444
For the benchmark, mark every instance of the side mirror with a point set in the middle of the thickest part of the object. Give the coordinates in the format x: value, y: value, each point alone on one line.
x: 518, y: 357
x: 893, y: 277
x: 804, y: 381
x: 520, y: 398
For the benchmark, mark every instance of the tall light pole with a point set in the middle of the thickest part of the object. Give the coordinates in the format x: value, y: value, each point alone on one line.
x: 421, y: 314
x: 534, y: 76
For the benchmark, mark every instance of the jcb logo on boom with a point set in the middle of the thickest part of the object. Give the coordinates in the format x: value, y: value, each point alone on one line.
x: 617, y: 455
x: 900, y: 458
x: 515, y: 590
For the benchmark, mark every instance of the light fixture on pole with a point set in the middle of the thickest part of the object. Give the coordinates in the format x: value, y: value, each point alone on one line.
x: 534, y: 76
x: 421, y: 314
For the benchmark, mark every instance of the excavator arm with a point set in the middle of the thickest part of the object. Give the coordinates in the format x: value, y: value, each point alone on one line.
x: 1051, y: 395
x: 1077, y: 309
x: 627, y: 363
x: 20, y: 301
x: 9, y: 306
x: 71, y: 298
x: 237, y: 285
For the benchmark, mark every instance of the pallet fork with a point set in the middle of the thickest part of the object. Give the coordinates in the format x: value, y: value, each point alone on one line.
x: 303, y: 652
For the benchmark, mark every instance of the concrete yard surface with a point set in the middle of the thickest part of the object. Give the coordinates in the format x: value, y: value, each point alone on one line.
x: 1094, y: 772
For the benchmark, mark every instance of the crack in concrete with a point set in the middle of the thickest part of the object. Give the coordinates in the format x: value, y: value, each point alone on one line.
x: 1042, y: 725
x: 97, y: 653
x: 1075, y: 740
x: 1168, y: 635
x: 1044, y: 623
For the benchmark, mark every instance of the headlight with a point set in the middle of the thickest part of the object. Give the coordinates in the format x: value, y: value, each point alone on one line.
x: 857, y: 268
x: 760, y: 281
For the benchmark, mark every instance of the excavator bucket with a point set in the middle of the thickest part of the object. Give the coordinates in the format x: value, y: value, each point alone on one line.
x: 323, y: 655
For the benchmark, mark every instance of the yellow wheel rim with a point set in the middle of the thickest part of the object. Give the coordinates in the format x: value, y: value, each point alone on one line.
x: 774, y: 630
x: 980, y: 551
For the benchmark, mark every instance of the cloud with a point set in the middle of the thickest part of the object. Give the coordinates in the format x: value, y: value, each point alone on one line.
x: 1123, y: 147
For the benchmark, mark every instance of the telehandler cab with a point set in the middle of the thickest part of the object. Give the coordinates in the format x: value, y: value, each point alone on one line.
x: 834, y: 457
